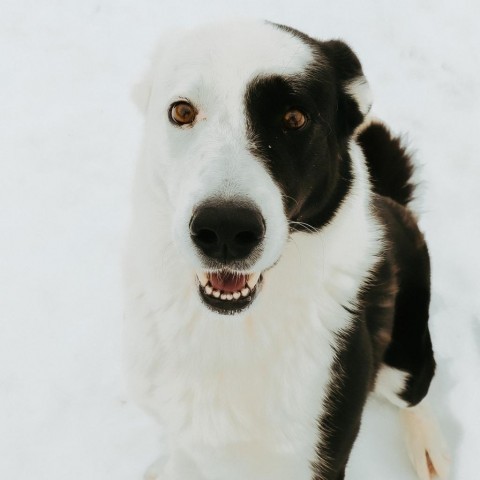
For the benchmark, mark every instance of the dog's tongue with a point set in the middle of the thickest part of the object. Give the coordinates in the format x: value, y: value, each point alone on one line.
x: 227, y: 282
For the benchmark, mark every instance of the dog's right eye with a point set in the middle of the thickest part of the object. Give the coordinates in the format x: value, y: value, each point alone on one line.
x: 182, y: 113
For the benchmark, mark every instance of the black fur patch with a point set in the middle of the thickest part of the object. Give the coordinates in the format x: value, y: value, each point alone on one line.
x: 347, y: 394
x: 311, y: 165
x: 388, y: 161
x: 410, y: 349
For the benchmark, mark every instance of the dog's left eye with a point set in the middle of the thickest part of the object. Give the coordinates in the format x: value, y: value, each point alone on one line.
x: 294, y: 119
x: 182, y: 113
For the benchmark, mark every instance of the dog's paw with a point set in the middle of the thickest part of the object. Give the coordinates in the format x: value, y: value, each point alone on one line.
x: 425, y: 444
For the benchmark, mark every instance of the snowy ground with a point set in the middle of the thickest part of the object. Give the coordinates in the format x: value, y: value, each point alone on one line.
x: 68, y: 139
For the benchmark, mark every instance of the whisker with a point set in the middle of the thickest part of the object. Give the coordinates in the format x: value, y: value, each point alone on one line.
x: 306, y: 226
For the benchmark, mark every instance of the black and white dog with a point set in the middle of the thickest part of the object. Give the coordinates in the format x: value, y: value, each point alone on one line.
x: 275, y: 275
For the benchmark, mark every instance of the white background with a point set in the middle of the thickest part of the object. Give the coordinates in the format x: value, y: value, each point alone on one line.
x: 69, y: 136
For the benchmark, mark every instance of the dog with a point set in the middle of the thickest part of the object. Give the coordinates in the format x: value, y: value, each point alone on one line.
x: 275, y: 275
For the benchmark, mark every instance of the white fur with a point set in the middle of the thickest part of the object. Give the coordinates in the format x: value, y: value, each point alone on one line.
x: 390, y: 383
x: 237, y: 396
x: 360, y: 90
x: 426, y: 446
x: 423, y: 437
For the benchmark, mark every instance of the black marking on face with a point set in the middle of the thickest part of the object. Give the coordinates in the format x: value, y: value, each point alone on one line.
x: 341, y: 66
x: 311, y: 164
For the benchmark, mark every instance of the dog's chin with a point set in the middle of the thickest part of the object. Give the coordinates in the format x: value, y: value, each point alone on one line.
x: 228, y: 292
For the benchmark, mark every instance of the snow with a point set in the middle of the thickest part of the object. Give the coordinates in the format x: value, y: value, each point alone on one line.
x: 69, y: 137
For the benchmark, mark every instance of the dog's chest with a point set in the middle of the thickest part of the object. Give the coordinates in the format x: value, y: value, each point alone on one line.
x: 243, y: 392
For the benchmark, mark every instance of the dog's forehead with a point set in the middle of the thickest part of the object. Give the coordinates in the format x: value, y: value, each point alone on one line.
x: 230, y: 55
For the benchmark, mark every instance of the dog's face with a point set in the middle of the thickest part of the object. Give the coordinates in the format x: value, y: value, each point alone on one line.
x: 248, y: 126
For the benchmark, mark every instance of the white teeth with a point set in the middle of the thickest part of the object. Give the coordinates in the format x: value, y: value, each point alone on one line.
x: 203, y: 278
x: 225, y: 296
x: 252, y: 280
x: 229, y: 296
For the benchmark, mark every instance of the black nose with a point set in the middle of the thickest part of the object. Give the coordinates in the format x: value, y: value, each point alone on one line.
x: 227, y: 231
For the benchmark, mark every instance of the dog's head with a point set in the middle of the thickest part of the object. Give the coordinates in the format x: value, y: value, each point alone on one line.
x: 248, y: 126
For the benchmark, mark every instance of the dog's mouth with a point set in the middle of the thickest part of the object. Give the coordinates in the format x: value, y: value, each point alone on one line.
x: 228, y: 292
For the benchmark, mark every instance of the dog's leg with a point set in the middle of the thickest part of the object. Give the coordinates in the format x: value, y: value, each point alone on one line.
x: 425, y: 443
x: 341, y: 475
x: 408, y: 363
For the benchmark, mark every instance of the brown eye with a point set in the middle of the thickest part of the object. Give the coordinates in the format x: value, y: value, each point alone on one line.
x: 182, y: 113
x: 294, y: 119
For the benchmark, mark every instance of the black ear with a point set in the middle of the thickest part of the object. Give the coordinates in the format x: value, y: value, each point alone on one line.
x: 354, y: 98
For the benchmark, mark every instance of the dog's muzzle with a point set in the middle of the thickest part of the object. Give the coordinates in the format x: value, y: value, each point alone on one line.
x: 229, y: 238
